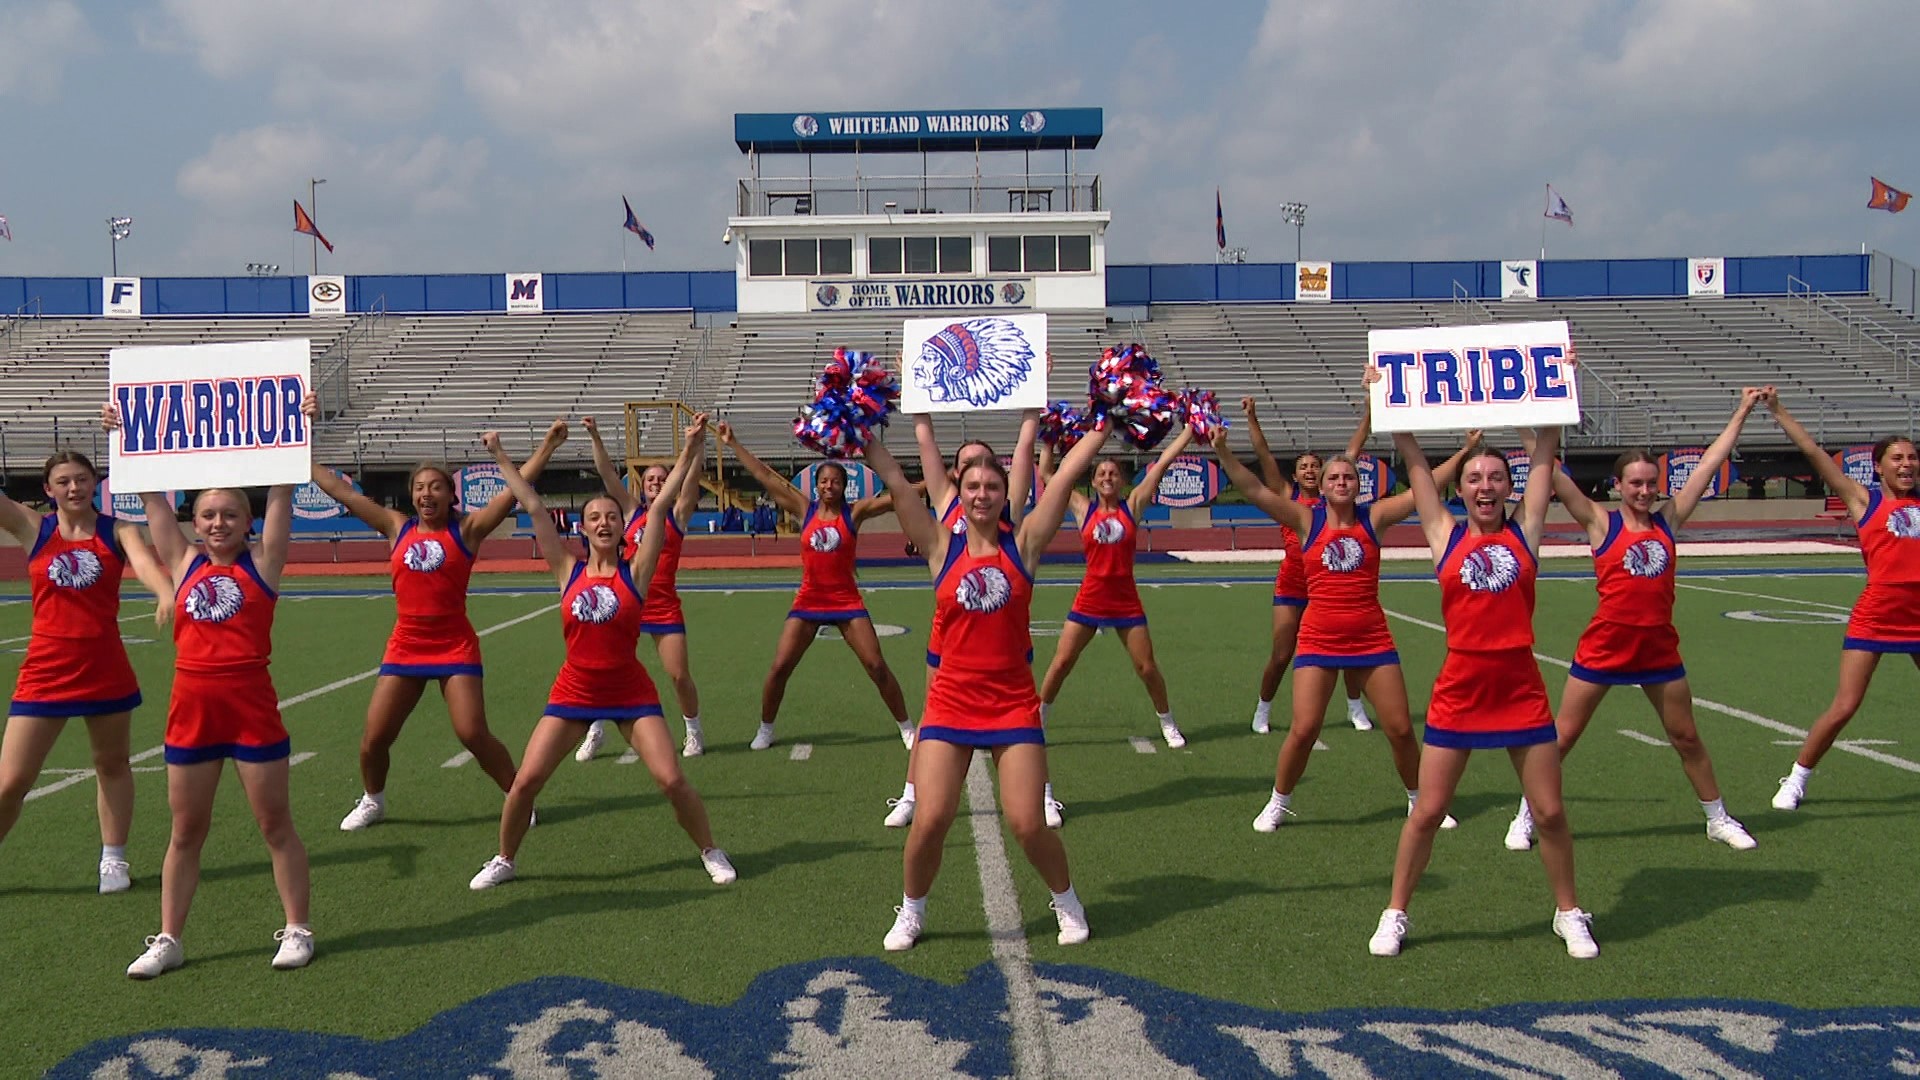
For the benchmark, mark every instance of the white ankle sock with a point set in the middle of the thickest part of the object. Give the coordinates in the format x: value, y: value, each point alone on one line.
x: 113, y: 851
x: 906, y: 793
x: 692, y: 722
x: 1069, y: 899
x: 1715, y: 809
x: 379, y: 799
x: 1049, y: 793
x: 1165, y: 717
x: 910, y: 906
x: 1263, y: 709
x: 1801, y: 772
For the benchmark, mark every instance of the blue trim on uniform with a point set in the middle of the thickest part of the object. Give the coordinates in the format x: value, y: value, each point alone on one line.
x: 1533, y: 556
x: 1615, y: 526
x: 1875, y: 645
x: 1458, y: 534
x: 1874, y: 499
x: 968, y: 737
x: 245, y: 562
x: 955, y: 546
x: 196, y: 755
x: 48, y: 523
x: 1365, y: 516
x: 933, y: 659
x: 1290, y: 601
x: 193, y: 566
x: 406, y: 527
x: 1358, y: 660
x: 1660, y: 522
x: 829, y: 617
x: 61, y: 710
x: 1010, y: 547
x: 587, y: 714
x: 104, y: 526
x: 1489, y: 740
x: 663, y: 628
x: 1634, y: 678
x: 431, y: 671
x: 1316, y: 524
x: 1099, y: 623
x: 573, y: 575
x: 459, y: 541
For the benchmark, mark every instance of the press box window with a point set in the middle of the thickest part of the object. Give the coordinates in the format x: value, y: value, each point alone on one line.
x: 956, y: 254
x: 836, y: 256
x: 883, y: 255
x: 1076, y: 254
x: 1039, y: 252
x: 763, y: 258
x: 803, y: 257
x: 1003, y: 254
x: 921, y: 255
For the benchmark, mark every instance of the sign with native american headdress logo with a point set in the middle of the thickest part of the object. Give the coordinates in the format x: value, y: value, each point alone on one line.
x: 989, y: 362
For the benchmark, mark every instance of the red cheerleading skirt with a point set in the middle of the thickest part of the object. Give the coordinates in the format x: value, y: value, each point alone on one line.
x: 230, y: 715
x: 1357, y: 640
x: 432, y: 648
x: 619, y: 693
x: 1886, y: 619
x: 978, y: 708
x: 63, y: 677
x: 1290, y: 583
x: 1489, y: 699
x: 1107, y: 603
x: 1622, y: 654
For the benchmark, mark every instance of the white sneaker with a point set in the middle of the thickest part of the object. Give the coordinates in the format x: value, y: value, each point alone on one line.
x: 763, y: 739
x: 718, y: 868
x: 906, y: 931
x: 1389, y: 934
x: 1053, y: 807
x: 589, y: 746
x: 696, y: 742
x: 1357, y: 715
x: 1170, y: 731
x: 901, y: 815
x: 1274, y: 815
x: 163, y: 955
x: 1574, y: 927
x: 296, y: 948
x: 1520, y: 830
x: 498, y: 871
x: 907, y: 735
x: 1260, y: 723
x: 1727, y: 831
x: 365, y: 812
x: 1792, y: 790
x: 115, y: 875
x: 1447, y: 822
x: 1073, y: 923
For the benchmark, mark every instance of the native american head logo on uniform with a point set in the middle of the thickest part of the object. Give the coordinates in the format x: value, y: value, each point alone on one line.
x: 425, y: 556
x: 214, y: 599
x: 76, y: 569
x: 1109, y: 531
x: 978, y: 361
x: 825, y: 538
x: 1648, y: 558
x: 1493, y: 569
x: 984, y: 590
x: 596, y: 604
x: 1905, y: 523
x: 1343, y: 555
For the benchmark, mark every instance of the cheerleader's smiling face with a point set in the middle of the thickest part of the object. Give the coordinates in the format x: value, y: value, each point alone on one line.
x: 70, y: 486
x: 601, y: 522
x: 1639, y: 485
x: 1306, y: 474
x: 1106, y: 481
x: 830, y: 485
x: 222, y: 518
x: 1340, y: 482
x: 1898, y: 466
x: 983, y: 495
x: 651, y: 482
x: 1485, y: 485
x: 432, y: 492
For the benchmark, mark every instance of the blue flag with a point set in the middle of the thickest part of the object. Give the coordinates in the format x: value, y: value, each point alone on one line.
x: 633, y: 225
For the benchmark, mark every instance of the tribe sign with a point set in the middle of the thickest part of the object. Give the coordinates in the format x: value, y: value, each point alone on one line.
x: 1451, y: 378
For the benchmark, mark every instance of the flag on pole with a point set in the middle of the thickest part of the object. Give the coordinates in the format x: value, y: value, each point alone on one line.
x: 1557, y: 208
x: 633, y: 225
x: 1890, y: 199
x: 302, y: 223
x: 6, y: 231
x: 1219, y: 221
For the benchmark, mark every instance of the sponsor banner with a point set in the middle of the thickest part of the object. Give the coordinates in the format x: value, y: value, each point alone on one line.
x: 1678, y: 465
x: 525, y: 295
x: 200, y: 416
x: 1706, y: 277
x: 1451, y: 378
x: 1313, y: 282
x: 1857, y: 463
x: 475, y: 485
x: 311, y: 503
x: 1189, y: 482
x: 326, y: 294
x: 1519, y: 467
x: 1519, y: 279
x: 1376, y: 480
x: 998, y: 294
x: 862, y: 482
x: 126, y: 504
x: 120, y: 297
x: 972, y: 365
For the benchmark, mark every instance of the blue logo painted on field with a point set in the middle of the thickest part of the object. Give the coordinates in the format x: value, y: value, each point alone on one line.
x: 862, y: 1017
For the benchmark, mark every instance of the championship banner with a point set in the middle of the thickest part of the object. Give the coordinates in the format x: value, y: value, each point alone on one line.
x: 1313, y: 282
x: 524, y: 295
x: 1857, y: 463
x: 475, y: 486
x: 312, y: 503
x: 1189, y: 482
x: 1451, y: 378
x: 1519, y: 468
x: 126, y: 505
x: 995, y: 362
x: 120, y: 297
x: 999, y: 294
x: 201, y: 416
x: 1520, y: 279
x: 1706, y: 277
x: 862, y: 481
x: 1677, y: 466
x: 1376, y: 480
x: 326, y: 294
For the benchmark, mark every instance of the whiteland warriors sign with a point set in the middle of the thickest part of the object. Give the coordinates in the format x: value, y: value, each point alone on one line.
x: 1450, y: 378
x: 983, y: 363
x: 199, y: 416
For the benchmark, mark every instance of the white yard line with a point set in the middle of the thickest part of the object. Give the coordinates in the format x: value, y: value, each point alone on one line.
x: 1766, y: 596
x: 1031, y: 1057
x: 1143, y: 746
x: 457, y: 760
x: 1642, y: 737
x: 801, y: 752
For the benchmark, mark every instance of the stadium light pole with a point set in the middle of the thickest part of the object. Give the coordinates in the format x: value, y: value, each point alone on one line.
x: 313, y: 207
x: 1295, y: 214
x: 118, y: 228
x: 263, y: 269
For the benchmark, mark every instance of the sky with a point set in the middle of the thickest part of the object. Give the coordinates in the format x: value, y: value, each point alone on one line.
x: 500, y: 135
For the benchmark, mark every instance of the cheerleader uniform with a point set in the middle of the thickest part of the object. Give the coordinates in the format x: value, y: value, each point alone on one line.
x: 1290, y: 583
x: 224, y: 704
x: 602, y: 619
x: 1489, y: 693
x: 955, y: 522
x: 432, y: 637
x: 1107, y: 595
x: 829, y: 593
x: 984, y: 603
x: 1631, y: 640
x: 75, y: 664
x: 1886, y: 618
x: 1344, y: 626
x: 661, y: 613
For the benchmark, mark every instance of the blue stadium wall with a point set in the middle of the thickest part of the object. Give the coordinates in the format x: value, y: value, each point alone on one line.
x: 1127, y: 286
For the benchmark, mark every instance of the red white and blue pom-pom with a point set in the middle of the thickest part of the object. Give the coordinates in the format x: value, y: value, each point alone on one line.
x: 1201, y: 411
x: 1062, y: 426
x: 851, y: 397
x: 1124, y: 387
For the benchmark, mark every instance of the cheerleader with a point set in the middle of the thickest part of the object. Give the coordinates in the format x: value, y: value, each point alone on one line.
x: 603, y: 604
x: 662, y: 620
x: 984, y: 695
x: 1344, y: 629
x: 1886, y: 618
x: 1489, y: 693
x: 1290, y: 582
x: 76, y: 664
x: 1631, y: 640
x: 1107, y: 597
x: 430, y: 556
x: 829, y: 594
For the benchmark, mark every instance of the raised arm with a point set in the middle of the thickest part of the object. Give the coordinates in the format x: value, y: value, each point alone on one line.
x: 1294, y: 515
x: 688, y: 500
x: 19, y: 522
x: 611, y: 478
x: 480, y: 524
x: 1395, y: 509
x: 1077, y: 500
x: 1037, y: 530
x: 146, y: 567
x: 276, y: 535
x: 1543, y: 457
x: 784, y: 494
x: 1270, y: 473
x: 552, y: 548
x: 172, y: 545
x: 1365, y: 431
x: 1851, y: 491
x: 933, y: 467
x: 1020, y: 476
x: 384, y: 520
x: 1687, y: 499
x: 653, y: 539
x: 1149, y: 485
x: 1436, y: 521
x: 915, y: 519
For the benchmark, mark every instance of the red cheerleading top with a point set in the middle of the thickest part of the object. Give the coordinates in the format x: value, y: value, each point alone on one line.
x: 1342, y: 567
x: 76, y: 584
x: 1888, y: 531
x: 1108, y: 537
x: 663, y: 589
x: 1634, y: 572
x: 1486, y: 590
x: 1291, y: 579
x: 223, y: 619
x: 431, y: 569
x: 600, y: 618
x: 954, y: 520
x: 984, y: 602
x: 827, y: 582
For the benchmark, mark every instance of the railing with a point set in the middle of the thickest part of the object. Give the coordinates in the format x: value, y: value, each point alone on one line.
x: 1860, y: 327
x: 906, y: 196
x: 11, y: 329
x: 333, y: 371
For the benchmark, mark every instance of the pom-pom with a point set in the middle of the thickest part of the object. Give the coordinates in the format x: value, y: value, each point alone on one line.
x: 1124, y: 388
x: 851, y: 397
x: 1061, y: 426
x: 1201, y: 410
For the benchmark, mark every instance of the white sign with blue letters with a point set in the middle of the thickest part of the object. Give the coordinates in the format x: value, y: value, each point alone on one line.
x: 1450, y: 378
x: 199, y: 416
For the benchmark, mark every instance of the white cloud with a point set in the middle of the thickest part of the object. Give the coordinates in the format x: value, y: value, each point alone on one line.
x: 40, y: 39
